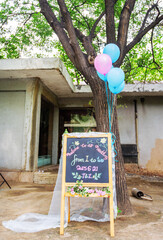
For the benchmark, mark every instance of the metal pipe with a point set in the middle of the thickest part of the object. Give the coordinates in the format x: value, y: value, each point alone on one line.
x: 136, y: 127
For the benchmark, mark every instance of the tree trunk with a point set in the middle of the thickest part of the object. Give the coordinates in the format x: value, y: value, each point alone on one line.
x: 123, y: 200
x: 101, y: 113
x: 101, y: 107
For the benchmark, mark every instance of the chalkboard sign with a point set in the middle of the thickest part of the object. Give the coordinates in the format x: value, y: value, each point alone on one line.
x: 87, y: 159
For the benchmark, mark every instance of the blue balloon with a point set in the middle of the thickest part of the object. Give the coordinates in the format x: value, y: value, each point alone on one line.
x: 113, y: 51
x: 115, y: 77
x: 103, y: 77
x: 118, y: 89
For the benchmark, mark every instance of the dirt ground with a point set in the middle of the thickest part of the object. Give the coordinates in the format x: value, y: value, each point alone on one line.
x: 146, y: 223
x: 135, y: 169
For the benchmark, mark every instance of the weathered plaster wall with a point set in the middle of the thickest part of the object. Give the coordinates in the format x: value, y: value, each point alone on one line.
x: 77, y: 102
x: 150, y: 128
x: 35, y: 124
x: 20, y: 105
x: 150, y: 132
x: 126, y: 120
x: 12, y: 110
x: 55, y: 136
x: 156, y: 158
x: 20, y: 111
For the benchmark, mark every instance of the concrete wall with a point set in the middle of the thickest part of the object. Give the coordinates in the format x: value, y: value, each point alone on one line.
x: 11, y: 129
x: 150, y: 132
x: 126, y: 120
x: 20, y: 105
x: 19, y: 108
x: 149, y: 128
x: 55, y: 136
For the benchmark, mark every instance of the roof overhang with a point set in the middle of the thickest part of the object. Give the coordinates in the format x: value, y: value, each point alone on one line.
x: 52, y: 72
x: 143, y: 89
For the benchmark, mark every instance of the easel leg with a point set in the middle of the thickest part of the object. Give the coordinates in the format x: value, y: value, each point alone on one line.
x: 111, y: 217
x: 4, y: 181
x: 68, y: 209
x: 62, y: 215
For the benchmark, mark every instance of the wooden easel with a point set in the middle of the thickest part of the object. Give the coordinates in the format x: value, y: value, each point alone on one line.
x: 85, y: 184
x: 4, y: 181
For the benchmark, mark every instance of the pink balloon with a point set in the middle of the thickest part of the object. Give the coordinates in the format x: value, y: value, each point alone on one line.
x: 103, y: 63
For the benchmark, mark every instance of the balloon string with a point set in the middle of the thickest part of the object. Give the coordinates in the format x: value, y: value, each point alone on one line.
x: 110, y: 107
x: 112, y: 103
x: 114, y: 152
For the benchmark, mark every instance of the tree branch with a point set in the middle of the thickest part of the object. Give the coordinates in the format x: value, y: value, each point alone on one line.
x: 80, y: 4
x: 147, y: 14
x: 68, y: 23
x: 87, y: 40
x: 124, y: 24
x: 83, y: 17
x: 17, y: 14
x: 151, y: 39
x: 141, y: 34
x: 110, y: 23
x: 27, y: 19
x: 87, y: 43
x: 92, y: 32
x: 57, y: 27
x: 79, y: 56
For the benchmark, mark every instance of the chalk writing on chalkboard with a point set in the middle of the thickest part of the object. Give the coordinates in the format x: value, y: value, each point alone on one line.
x: 87, y: 160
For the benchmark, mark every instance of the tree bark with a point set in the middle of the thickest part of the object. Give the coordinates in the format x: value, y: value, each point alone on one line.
x: 101, y: 113
x: 110, y: 24
x: 123, y: 201
x: 101, y: 108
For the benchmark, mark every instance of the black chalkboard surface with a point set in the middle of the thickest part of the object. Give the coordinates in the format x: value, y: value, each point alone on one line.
x: 87, y: 159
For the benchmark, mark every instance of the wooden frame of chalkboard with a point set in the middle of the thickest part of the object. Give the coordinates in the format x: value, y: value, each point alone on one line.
x: 87, y: 158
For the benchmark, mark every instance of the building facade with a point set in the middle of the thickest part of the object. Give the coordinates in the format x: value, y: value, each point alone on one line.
x: 38, y: 101
x: 140, y: 123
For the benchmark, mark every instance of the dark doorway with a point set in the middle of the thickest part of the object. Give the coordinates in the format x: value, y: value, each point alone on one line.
x: 130, y: 154
x: 75, y: 120
x: 46, y: 133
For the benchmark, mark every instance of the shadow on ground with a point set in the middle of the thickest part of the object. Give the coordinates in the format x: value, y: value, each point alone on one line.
x: 146, y: 222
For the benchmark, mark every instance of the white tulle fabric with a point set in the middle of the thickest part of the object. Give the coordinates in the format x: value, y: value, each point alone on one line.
x: 82, y: 209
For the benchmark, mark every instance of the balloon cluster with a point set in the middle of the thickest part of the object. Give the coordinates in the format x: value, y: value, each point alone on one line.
x: 105, y: 70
